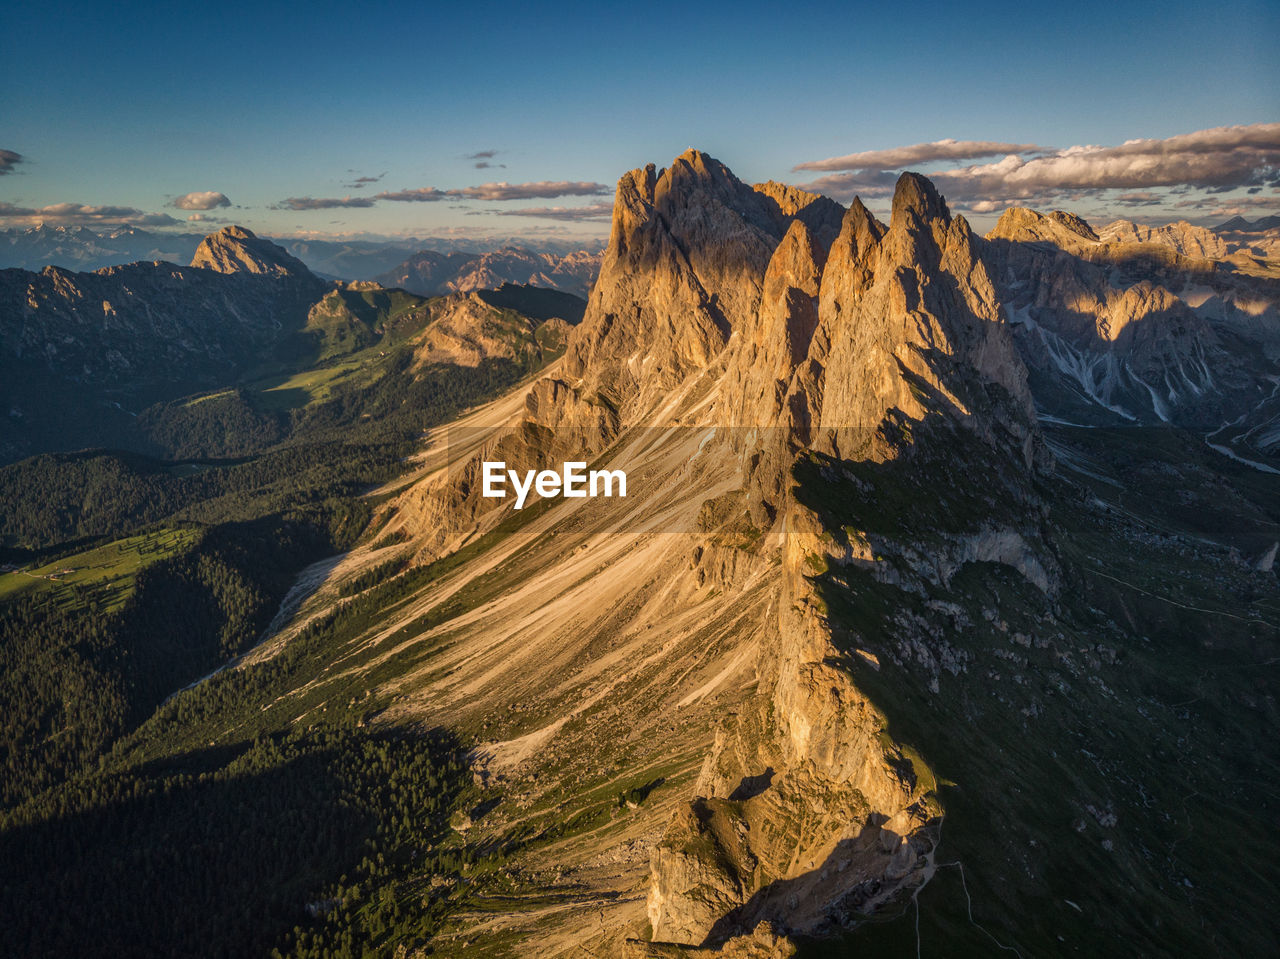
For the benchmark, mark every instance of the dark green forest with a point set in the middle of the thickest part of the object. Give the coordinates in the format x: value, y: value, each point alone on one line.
x: 133, y: 820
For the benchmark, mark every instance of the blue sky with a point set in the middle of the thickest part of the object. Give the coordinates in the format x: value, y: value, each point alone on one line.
x: 115, y: 110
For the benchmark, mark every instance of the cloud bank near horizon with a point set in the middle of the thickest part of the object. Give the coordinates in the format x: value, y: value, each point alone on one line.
x: 322, y: 203
x: 592, y: 212
x: 1211, y: 161
x: 83, y: 214
x: 487, y: 192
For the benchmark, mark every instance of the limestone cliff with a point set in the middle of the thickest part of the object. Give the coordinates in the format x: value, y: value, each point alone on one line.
x: 808, y: 814
x: 683, y: 270
x: 912, y: 324
x: 821, y: 215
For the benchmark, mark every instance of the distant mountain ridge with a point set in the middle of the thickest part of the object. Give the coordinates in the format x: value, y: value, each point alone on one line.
x: 83, y: 248
x: 1238, y: 224
x: 129, y: 325
x: 1132, y: 324
x: 81, y: 353
x: 1181, y: 236
x: 430, y: 273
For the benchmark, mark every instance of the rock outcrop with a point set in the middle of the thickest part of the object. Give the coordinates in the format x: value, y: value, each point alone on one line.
x: 821, y: 215
x: 466, y: 329
x: 684, y: 267
x: 912, y: 325
x: 807, y: 813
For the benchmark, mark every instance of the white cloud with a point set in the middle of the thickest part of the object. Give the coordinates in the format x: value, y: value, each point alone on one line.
x: 75, y: 214
x: 201, y: 200
x: 1218, y: 159
x: 594, y: 211
x: 918, y: 154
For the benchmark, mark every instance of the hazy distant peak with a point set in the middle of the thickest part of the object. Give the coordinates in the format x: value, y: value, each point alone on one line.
x: 1075, y: 223
x: 822, y: 215
x: 430, y: 273
x: 1238, y: 224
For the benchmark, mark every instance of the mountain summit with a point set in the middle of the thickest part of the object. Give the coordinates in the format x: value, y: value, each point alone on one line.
x: 234, y: 249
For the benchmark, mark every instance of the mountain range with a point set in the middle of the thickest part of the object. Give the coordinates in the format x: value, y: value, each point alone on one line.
x: 939, y: 614
x: 430, y: 273
x: 86, y: 354
x: 82, y: 248
x: 1238, y: 224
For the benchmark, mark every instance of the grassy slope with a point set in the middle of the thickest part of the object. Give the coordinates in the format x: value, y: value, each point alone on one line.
x: 109, y: 569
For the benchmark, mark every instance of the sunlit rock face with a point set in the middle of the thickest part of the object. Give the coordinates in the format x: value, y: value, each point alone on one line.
x: 237, y: 250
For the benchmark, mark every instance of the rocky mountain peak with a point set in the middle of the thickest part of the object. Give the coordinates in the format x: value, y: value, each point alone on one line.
x: 1064, y: 230
x: 916, y: 201
x: 796, y: 263
x: 1119, y: 321
x: 900, y: 319
x: 1238, y: 224
x: 235, y: 249
x: 910, y: 326
x: 1075, y: 223
x: 695, y: 165
x: 1181, y: 237
x: 684, y: 268
x: 863, y: 228
x: 720, y: 305
x: 762, y: 371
